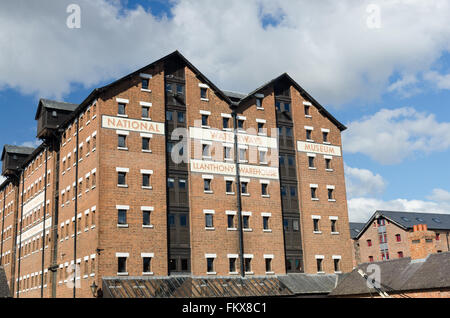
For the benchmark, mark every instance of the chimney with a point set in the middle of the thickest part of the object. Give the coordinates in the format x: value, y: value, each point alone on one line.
x: 422, y: 242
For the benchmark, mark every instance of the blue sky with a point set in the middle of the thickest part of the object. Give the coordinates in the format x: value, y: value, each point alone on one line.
x: 390, y: 88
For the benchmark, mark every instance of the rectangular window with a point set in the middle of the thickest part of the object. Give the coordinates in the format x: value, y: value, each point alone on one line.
x: 122, y: 141
x: 240, y: 124
x: 146, y: 264
x: 229, y: 186
x: 145, y: 82
x: 308, y: 134
x: 203, y: 93
x: 207, y: 185
x: 263, y: 157
x: 319, y: 265
x: 268, y: 265
x: 266, y: 223
x: 313, y: 193
x: 369, y: 243
x: 244, y: 187
x: 316, y: 225
x: 400, y: 254
x: 121, y: 109
x: 264, y: 187
x: 146, y: 180
x: 181, y: 117
x: 206, y: 150
x: 146, y: 218
x: 205, y: 120
x: 122, y: 178
x: 311, y: 162
x: 210, y: 265
x: 330, y: 194
x: 121, y: 264
x: 145, y: 112
x: 307, y: 110
x: 230, y: 220
x: 261, y: 129
x: 146, y: 143
x: 333, y: 226
x: 337, y: 265
x: 325, y: 136
x: 248, y: 265
x: 246, y: 221
x: 398, y: 237
x: 226, y: 123
x: 209, y: 220
x: 243, y: 154
x: 122, y: 217
x: 259, y: 103
x: 328, y: 164
x: 232, y: 265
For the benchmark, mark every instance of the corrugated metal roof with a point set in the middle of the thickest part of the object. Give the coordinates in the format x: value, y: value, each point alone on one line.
x: 400, y: 275
x: 355, y: 229
x: 218, y: 287
x: 190, y: 287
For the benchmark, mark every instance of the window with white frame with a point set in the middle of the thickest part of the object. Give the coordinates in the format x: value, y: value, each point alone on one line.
x: 330, y: 189
x: 314, y: 188
x: 122, y: 211
x: 146, y: 175
x: 122, y: 263
x: 316, y: 224
x: 209, y: 219
x: 309, y: 131
x: 122, y: 177
x: 146, y: 217
x: 207, y: 183
x: 147, y: 263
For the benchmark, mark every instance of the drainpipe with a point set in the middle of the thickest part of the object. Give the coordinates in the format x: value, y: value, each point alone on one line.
x: 16, y: 184
x: 239, y: 198
x: 21, y: 228
x: 76, y: 209
x: 55, y: 217
x: 43, y: 222
x: 3, y: 225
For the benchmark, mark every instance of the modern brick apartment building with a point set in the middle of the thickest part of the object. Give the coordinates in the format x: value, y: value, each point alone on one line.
x: 385, y: 235
x: 113, y: 198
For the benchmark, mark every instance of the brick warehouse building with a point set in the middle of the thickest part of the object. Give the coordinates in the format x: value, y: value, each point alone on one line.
x: 105, y: 191
x: 385, y: 235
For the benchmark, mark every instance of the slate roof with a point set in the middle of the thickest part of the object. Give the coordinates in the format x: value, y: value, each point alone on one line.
x: 355, y: 228
x: 301, y: 284
x: 51, y: 104
x: 399, y: 275
x: 17, y: 150
x: 4, y: 288
x: 234, y: 95
x: 406, y: 220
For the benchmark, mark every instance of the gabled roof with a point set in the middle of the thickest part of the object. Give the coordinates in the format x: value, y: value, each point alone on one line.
x: 407, y: 220
x: 355, y: 228
x: 51, y: 104
x: 16, y: 150
x: 399, y: 275
x: 304, y: 93
x: 177, y: 54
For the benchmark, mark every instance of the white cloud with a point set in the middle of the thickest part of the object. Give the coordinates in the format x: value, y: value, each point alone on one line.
x: 326, y: 45
x: 439, y: 80
x: 361, y: 209
x: 2, y: 178
x: 363, y: 182
x: 440, y: 195
x: 390, y: 136
x: 31, y: 144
